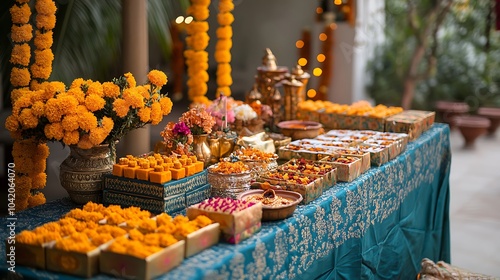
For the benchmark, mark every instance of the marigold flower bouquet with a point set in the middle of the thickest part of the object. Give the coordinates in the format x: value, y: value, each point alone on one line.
x: 88, y: 113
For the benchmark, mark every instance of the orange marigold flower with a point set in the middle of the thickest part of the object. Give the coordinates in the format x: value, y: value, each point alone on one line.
x: 52, y: 110
x: 197, y: 27
x: 97, y: 135
x: 54, y: 87
x: 22, y: 102
x: 87, y: 121
x: 20, y: 14
x: 224, y: 80
x: 11, y: 123
x: 167, y: 240
x: 46, y: 21
x: 37, y: 199
x: 27, y: 237
x: 157, y: 78
x: 142, y: 90
x: 200, y: 99
x: 110, y: 90
x: 41, y: 71
x: 15, y: 94
x: 54, y: 131
x: 166, y: 105
x: 67, y: 104
x: 71, y: 137
x: 45, y: 7
x: 223, y: 69
x: 21, y: 33
x: 24, y: 165
x: 20, y: 54
x: 20, y: 77
x: 222, y: 56
x: 121, y: 107
x: 78, y: 94
x: 199, y: 13
x: 84, y: 142
x: 156, y: 113
x: 226, y: 6
x: 27, y: 119
x: 199, y: 89
x: 199, y: 41
x: 80, y: 109
x: 224, y: 44
x: 224, y: 32
x: 39, y: 166
x: 70, y: 122
x: 224, y: 90
x: 94, y: 102
x: 43, y: 40
x: 224, y: 18
x: 44, y: 57
x: 95, y: 88
x: 42, y: 152
x: 130, y: 79
x: 133, y: 98
x: 39, y: 181
x: 107, y: 124
x: 144, y: 114
x: 77, y: 83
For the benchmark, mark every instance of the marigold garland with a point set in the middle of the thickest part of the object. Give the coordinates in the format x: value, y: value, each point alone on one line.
x: 196, y: 55
x: 223, y: 47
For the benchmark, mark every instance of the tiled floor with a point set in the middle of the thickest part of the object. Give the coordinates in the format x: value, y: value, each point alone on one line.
x: 475, y: 205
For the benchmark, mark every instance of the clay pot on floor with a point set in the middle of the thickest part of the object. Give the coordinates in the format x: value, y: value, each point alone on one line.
x: 471, y: 127
x: 448, y: 110
x: 493, y: 114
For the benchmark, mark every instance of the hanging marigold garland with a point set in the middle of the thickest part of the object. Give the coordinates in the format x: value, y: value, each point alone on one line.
x: 196, y: 56
x: 223, y: 47
x: 30, y: 156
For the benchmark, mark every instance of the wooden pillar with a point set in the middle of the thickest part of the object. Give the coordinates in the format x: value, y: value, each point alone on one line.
x: 135, y: 59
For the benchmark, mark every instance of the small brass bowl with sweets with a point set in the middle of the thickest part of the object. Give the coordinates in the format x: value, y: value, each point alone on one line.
x: 276, y: 204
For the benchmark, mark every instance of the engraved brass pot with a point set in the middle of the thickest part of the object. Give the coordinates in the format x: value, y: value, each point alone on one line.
x: 81, y: 173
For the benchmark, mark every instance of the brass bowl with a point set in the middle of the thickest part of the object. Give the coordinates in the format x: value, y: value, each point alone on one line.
x: 279, y: 212
x: 300, y: 129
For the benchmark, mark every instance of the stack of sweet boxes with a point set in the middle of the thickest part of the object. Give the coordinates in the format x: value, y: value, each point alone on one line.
x: 157, y: 183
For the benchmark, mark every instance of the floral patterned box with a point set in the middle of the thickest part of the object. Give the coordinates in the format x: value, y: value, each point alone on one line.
x: 154, y: 190
x: 307, y: 115
x: 411, y: 122
x: 346, y: 172
x: 352, y: 152
x: 378, y: 155
x: 74, y: 263
x: 234, y: 227
x: 328, y: 175
x: 339, y: 121
x: 372, y: 123
x: 130, y: 267
x: 170, y: 205
x: 393, y: 146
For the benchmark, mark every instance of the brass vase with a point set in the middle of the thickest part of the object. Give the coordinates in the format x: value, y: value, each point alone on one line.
x: 81, y: 173
x: 221, y: 147
x: 201, y: 148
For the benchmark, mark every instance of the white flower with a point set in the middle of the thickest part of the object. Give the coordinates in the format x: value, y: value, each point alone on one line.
x: 244, y: 112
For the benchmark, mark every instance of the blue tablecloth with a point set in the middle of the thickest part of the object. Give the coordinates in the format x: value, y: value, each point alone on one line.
x: 379, y: 226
